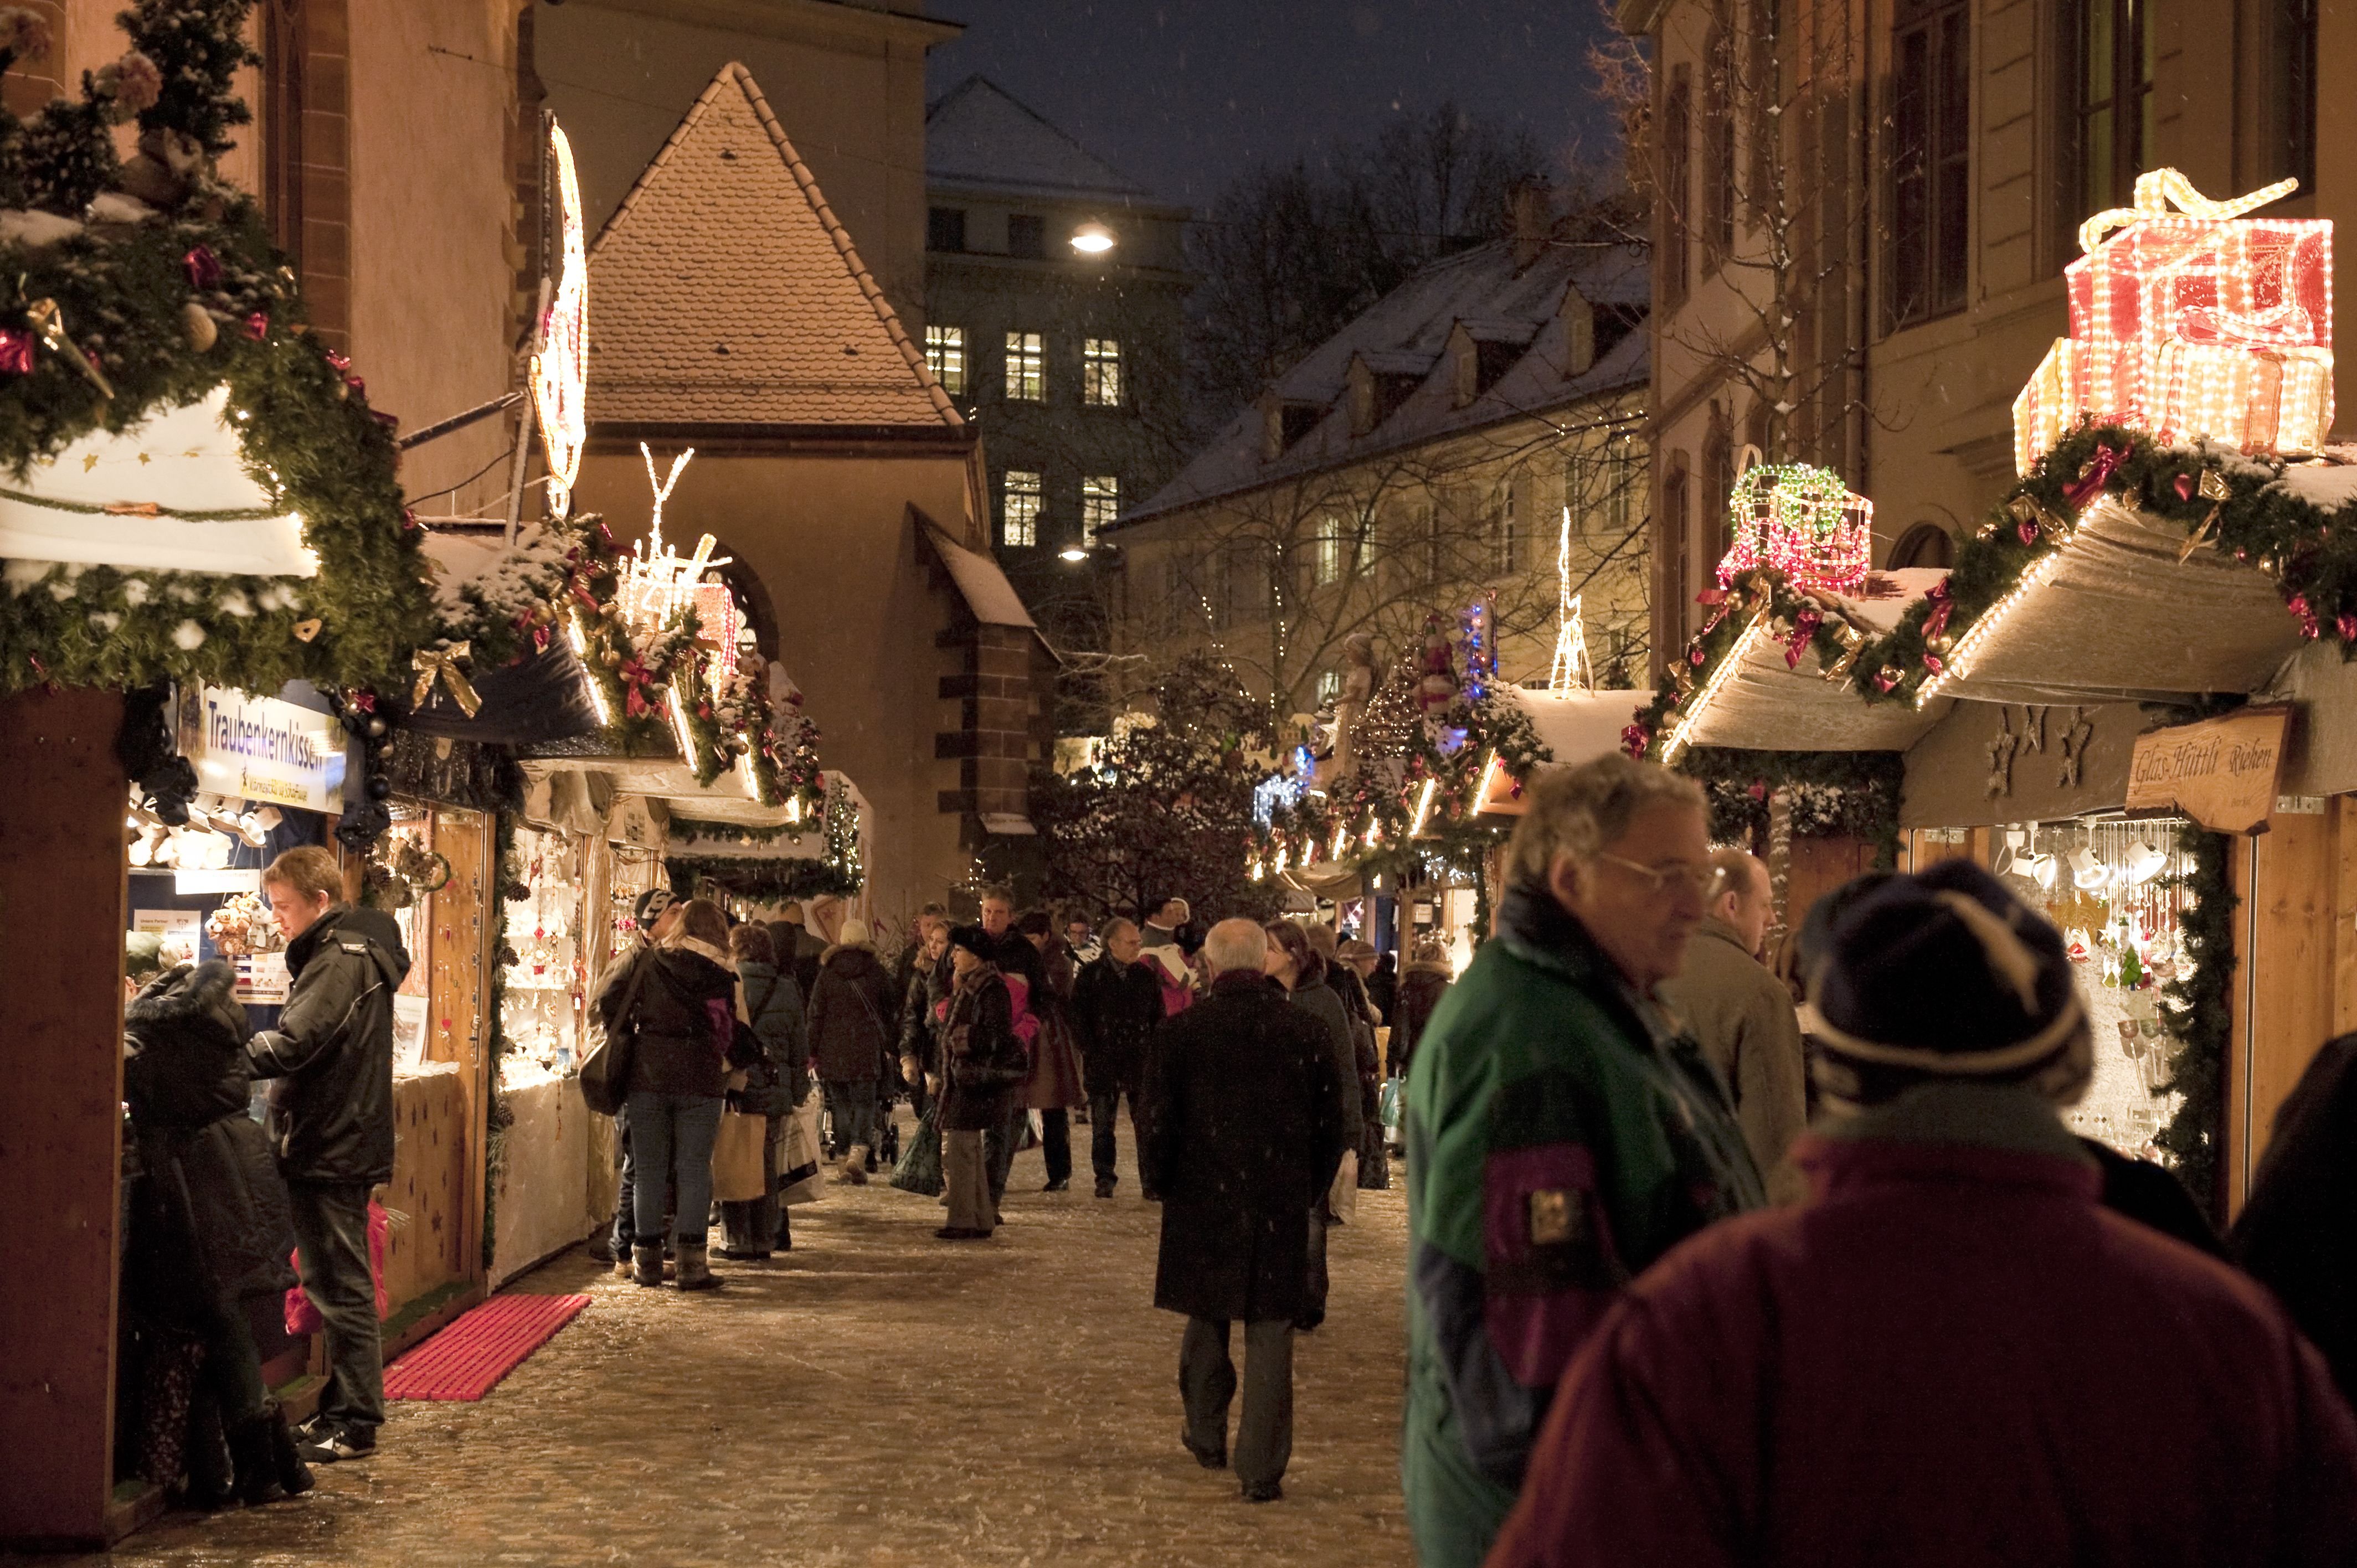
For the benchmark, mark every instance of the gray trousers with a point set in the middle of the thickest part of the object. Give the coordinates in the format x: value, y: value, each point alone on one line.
x: 332, y: 1255
x: 1207, y: 1380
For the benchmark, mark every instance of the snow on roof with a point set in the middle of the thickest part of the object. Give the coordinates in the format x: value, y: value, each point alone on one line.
x: 1409, y: 328
x: 724, y: 291
x: 978, y: 133
x: 987, y: 591
x: 2327, y: 486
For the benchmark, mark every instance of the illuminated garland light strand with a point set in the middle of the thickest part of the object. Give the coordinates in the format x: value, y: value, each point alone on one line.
x: 1718, y: 677
x: 560, y: 370
x: 1960, y: 657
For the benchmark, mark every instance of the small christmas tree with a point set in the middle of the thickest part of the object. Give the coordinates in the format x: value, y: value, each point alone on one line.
x: 198, y: 46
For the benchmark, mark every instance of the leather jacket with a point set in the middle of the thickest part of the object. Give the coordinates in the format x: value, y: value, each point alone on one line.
x: 333, y: 1122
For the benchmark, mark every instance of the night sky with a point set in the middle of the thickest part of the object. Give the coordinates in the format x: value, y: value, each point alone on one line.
x: 1182, y: 95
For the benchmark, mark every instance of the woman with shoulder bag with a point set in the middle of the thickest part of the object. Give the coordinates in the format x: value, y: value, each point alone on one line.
x: 983, y: 1066
x: 684, y: 1039
x: 752, y: 1228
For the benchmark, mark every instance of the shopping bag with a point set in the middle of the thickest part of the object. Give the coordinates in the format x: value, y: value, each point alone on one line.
x: 1342, y: 1198
x: 920, y: 1168
x: 738, y: 1174
x: 798, y: 1178
x: 302, y: 1317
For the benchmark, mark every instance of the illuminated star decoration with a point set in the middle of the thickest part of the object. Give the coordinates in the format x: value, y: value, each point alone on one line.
x: 1572, y: 670
x: 560, y: 370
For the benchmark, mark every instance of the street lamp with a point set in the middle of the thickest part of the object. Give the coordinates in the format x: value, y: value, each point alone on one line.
x: 1072, y: 553
x: 1092, y: 239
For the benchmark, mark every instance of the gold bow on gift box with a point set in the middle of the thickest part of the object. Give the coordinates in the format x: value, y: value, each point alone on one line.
x: 445, y: 665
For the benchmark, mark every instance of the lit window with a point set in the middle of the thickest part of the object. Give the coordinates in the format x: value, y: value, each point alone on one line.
x: 1101, y: 372
x: 945, y: 357
x: 1026, y: 368
x: 1330, y: 686
x: 1100, y: 504
x: 1329, y: 561
x: 1018, y: 516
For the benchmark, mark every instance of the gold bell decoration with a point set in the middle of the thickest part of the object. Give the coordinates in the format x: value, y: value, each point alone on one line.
x: 445, y: 665
x: 2215, y: 491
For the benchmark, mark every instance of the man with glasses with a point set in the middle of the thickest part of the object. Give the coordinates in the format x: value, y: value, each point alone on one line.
x: 1562, y: 1133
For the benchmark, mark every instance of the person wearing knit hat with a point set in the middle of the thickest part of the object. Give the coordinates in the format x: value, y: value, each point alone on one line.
x: 143, y: 960
x: 1980, y: 1363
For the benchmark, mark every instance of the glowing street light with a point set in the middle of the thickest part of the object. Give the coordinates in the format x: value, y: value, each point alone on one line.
x: 1073, y: 553
x: 1092, y: 239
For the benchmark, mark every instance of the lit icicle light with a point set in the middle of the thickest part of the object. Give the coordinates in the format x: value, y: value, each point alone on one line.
x: 1718, y: 677
x: 1489, y: 776
x: 1960, y: 657
x: 745, y: 769
x: 678, y: 707
x: 1422, y: 808
x: 1375, y: 831
x: 581, y: 651
x: 1342, y: 842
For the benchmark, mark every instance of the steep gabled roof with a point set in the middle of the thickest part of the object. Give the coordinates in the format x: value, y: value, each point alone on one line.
x: 977, y: 133
x: 724, y: 291
x: 1407, y: 333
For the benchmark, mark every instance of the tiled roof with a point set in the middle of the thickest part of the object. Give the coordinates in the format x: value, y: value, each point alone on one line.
x: 724, y: 291
x: 977, y: 133
x: 1407, y: 333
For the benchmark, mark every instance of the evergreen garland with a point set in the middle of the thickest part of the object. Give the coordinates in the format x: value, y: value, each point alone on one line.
x: 2198, y: 1011
x: 198, y: 47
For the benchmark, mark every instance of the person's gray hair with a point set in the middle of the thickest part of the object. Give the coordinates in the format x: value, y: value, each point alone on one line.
x: 1236, y: 944
x: 1578, y: 811
x: 1732, y: 872
x: 1117, y: 925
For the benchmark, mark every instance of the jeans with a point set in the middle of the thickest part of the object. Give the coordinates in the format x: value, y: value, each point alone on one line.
x: 1056, y: 1141
x: 1207, y: 1381
x: 851, y: 1106
x: 331, y: 1253
x: 671, y: 1137
x: 626, y: 1219
x: 1103, y: 1105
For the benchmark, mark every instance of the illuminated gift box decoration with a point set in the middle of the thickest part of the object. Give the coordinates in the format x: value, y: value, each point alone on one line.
x: 2191, y: 321
x: 1801, y: 521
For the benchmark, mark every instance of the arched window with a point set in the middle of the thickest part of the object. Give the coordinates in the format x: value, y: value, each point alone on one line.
x: 1925, y: 544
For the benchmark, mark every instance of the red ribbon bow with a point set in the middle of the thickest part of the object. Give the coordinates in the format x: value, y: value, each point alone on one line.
x: 2095, y: 475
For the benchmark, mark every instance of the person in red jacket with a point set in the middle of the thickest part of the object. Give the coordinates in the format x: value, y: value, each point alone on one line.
x: 1952, y: 1355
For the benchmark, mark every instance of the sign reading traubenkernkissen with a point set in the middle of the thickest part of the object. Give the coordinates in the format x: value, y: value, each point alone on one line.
x: 2222, y: 772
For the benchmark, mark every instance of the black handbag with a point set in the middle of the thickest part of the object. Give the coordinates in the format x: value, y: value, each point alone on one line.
x: 606, y: 1071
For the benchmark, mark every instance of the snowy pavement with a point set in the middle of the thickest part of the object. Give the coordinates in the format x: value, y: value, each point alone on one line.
x: 875, y: 1398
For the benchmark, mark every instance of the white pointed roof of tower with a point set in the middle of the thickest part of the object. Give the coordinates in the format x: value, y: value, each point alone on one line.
x: 726, y: 292
x: 979, y: 134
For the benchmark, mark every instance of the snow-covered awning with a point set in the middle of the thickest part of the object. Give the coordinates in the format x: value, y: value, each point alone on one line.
x: 1759, y: 700
x: 1578, y: 726
x: 2120, y: 612
x: 171, y: 493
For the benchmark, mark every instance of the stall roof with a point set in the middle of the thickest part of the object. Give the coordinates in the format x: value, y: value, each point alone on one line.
x: 2114, y: 615
x: 1579, y: 726
x: 980, y: 581
x: 1758, y: 701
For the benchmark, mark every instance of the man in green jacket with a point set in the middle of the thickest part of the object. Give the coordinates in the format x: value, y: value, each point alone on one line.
x: 1561, y: 1134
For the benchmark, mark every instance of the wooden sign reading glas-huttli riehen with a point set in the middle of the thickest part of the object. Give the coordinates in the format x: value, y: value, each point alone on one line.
x: 2220, y: 772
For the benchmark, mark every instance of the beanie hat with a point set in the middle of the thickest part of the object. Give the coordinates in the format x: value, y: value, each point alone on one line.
x: 971, y: 939
x: 854, y: 933
x: 650, y: 905
x: 1945, y: 976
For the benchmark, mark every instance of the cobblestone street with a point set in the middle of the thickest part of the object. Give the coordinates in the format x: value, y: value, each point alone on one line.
x: 875, y: 1398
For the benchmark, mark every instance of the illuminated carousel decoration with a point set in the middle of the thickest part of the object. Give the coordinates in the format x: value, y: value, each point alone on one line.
x: 1799, y: 522
x: 2191, y: 321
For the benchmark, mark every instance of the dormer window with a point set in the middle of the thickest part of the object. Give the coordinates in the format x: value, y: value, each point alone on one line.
x: 1481, y: 351
x: 1379, y: 382
x: 1284, y: 422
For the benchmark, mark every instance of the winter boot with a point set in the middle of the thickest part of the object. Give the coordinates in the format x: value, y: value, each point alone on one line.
x: 293, y: 1475
x: 694, y: 1273
x: 855, y: 1167
x: 646, y: 1263
x: 257, y: 1465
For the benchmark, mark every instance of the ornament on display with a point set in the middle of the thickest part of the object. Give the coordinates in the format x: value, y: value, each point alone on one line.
x: 1799, y: 522
x: 560, y: 370
x: 2191, y: 321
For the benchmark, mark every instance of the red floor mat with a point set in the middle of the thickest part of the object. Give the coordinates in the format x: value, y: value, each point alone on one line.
x: 465, y: 1361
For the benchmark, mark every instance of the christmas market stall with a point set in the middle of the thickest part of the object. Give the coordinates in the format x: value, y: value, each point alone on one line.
x: 203, y: 538
x: 2146, y: 645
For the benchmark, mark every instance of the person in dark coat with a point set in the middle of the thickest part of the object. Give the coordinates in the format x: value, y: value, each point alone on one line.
x: 982, y: 1069
x: 331, y: 1119
x: 1026, y: 971
x: 854, y: 1022
x: 1383, y: 986
x: 1952, y: 1354
x: 1116, y: 1007
x: 796, y: 947
x: 1343, y: 974
x: 1243, y: 1139
x: 926, y: 982
x: 653, y: 918
x: 1054, y: 1089
x: 777, y: 1081
x: 211, y: 1223
x: 1292, y: 961
x: 685, y: 1036
x: 1420, y: 989
x: 2298, y: 1234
